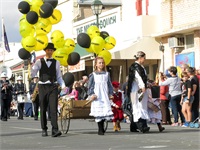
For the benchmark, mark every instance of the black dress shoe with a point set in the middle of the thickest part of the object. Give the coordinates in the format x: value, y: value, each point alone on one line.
x: 56, y: 133
x: 35, y: 118
x: 19, y: 118
x: 44, y: 133
x: 4, y: 119
x: 145, y: 129
x: 161, y: 129
x: 133, y: 130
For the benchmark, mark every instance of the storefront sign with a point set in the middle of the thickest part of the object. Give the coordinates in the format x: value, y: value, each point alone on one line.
x: 102, y: 24
x: 107, y: 19
x: 78, y: 67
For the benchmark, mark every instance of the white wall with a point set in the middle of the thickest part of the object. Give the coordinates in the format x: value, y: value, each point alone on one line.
x: 137, y: 26
x: 65, y: 25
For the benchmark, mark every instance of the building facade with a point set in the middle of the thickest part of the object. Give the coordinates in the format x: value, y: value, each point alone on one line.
x: 180, y: 33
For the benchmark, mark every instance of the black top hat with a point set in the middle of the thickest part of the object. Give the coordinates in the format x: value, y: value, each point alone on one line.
x: 50, y: 46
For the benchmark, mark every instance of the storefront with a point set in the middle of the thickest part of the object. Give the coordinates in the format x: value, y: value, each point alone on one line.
x: 123, y: 52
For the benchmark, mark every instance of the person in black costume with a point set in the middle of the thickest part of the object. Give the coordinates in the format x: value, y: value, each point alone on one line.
x: 137, y: 81
x: 49, y: 76
x: 6, y: 96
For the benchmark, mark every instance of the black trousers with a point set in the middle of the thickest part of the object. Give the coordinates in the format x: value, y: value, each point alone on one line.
x: 36, y: 105
x: 4, y: 108
x: 20, y: 108
x: 48, y: 95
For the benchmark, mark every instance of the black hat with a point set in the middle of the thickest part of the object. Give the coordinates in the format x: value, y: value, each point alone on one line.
x: 50, y: 46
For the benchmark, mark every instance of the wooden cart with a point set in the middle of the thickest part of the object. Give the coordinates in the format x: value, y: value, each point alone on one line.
x: 73, y: 109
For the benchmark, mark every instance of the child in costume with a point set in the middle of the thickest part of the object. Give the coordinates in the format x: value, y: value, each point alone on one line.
x: 100, y: 91
x: 155, y: 116
x: 116, y: 103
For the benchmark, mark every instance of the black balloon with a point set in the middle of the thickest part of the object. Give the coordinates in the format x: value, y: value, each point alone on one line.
x: 32, y: 17
x: 68, y: 79
x: 24, y: 7
x: 83, y: 40
x: 24, y: 54
x: 73, y: 58
x: 46, y: 10
x: 104, y: 34
x: 54, y: 3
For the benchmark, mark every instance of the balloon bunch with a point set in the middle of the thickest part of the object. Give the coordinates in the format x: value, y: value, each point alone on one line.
x: 36, y: 22
x: 97, y: 42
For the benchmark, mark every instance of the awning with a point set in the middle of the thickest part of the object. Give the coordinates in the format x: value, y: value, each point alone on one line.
x: 147, y: 44
x: 82, y: 52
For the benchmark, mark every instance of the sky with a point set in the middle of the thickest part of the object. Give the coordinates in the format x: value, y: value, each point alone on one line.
x: 9, y: 11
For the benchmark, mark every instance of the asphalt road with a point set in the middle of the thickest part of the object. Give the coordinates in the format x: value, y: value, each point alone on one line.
x: 26, y: 135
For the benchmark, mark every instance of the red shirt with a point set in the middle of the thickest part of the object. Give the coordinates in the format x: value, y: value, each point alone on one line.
x: 163, y: 92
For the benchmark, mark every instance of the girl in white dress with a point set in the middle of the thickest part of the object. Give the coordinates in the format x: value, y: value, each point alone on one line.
x: 155, y: 117
x: 100, y: 90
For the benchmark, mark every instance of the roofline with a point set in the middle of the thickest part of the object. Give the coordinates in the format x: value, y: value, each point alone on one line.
x: 104, y: 4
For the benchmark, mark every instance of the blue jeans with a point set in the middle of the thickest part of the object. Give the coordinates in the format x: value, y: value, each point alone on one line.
x: 176, y: 108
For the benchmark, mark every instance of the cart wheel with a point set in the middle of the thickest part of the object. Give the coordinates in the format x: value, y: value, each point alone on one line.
x: 105, y: 125
x: 65, y: 121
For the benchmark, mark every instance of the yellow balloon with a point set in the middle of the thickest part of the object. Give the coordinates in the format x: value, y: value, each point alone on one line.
x: 41, y: 42
x: 97, y: 44
x: 35, y: 5
x: 89, y: 50
x: 56, y: 16
x: 63, y: 62
x: 93, y: 31
x: 28, y: 43
x: 110, y: 42
x: 26, y: 29
x: 44, y: 31
x: 69, y: 45
x: 106, y: 56
x: 59, y: 54
x: 57, y: 38
x: 22, y: 19
x: 42, y: 23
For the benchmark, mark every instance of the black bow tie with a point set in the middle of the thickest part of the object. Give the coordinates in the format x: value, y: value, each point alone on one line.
x: 50, y: 60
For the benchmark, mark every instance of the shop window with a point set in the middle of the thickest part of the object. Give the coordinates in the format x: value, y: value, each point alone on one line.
x: 189, y: 40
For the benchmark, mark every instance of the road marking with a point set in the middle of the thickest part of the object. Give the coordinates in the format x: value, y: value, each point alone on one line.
x: 154, y: 146
x: 26, y: 128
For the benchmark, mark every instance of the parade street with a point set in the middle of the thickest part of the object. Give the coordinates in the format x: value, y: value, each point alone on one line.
x: 26, y: 135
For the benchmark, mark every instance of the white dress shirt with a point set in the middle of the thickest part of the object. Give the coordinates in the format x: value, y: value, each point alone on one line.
x: 37, y: 66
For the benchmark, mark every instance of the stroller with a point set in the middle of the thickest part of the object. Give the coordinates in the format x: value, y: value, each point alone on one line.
x: 195, y: 123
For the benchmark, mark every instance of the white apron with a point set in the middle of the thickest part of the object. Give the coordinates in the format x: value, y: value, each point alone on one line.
x: 101, y: 107
x: 139, y: 108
